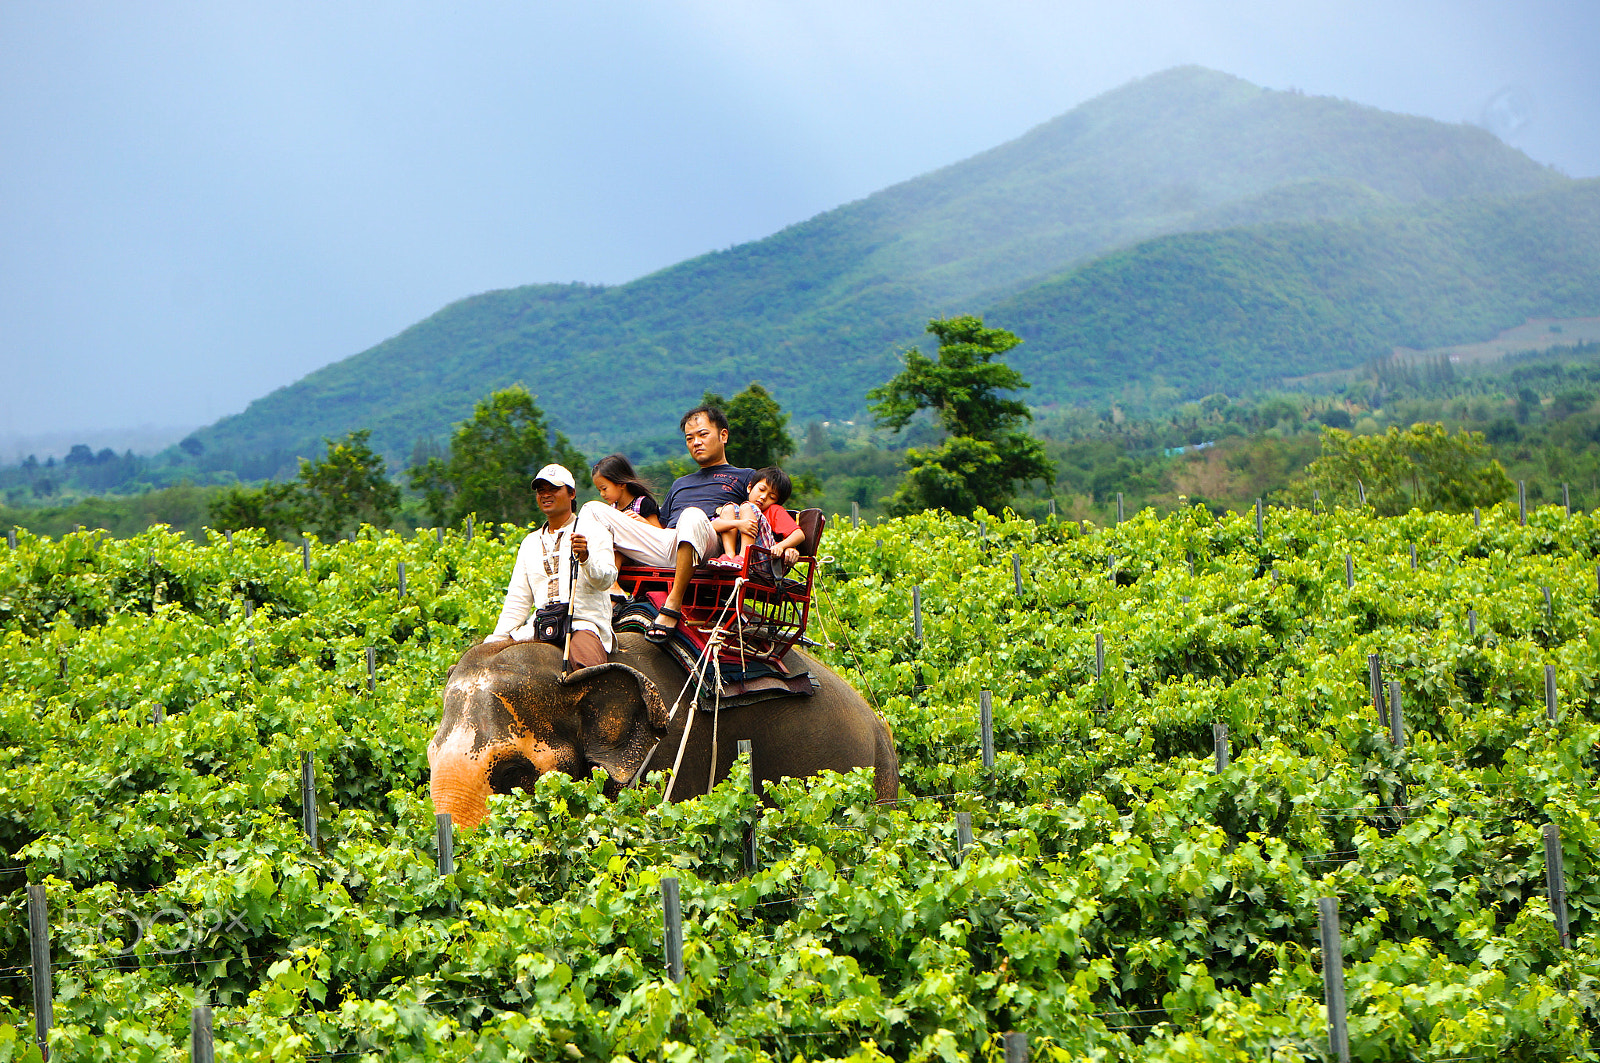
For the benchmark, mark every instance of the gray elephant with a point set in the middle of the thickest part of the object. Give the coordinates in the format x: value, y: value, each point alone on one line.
x: 509, y: 717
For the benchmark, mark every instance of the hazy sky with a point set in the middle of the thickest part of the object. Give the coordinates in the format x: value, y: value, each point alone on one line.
x: 201, y: 202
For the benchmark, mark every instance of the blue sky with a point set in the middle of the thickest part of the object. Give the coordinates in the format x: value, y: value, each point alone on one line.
x: 200, y: 202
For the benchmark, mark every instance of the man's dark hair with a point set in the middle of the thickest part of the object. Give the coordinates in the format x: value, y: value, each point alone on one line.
x: 776, y: 479
x: 717, y: 418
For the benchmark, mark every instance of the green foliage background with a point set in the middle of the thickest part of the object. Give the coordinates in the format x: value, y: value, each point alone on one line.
x: 1122, y: 900
x: 1238, y: 310
x: 1537, y: 410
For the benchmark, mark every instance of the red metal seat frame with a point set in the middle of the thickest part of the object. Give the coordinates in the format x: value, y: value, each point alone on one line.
x: 770, y: 616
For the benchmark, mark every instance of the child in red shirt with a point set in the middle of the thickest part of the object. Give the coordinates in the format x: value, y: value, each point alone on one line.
x: 776, y: 531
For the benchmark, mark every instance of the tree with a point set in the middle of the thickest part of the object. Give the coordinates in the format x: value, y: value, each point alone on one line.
x: 277, y: 509
x: 816, y: 440
x: 758, y: 435
x: 494, y: 456
x: 985, y: 452
x: 806, y: 486
x: 860, y: 489
x: 1423, y: 467
x: 347, y: 488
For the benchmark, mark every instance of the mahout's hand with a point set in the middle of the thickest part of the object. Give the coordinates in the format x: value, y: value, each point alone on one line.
x: 580, y: 547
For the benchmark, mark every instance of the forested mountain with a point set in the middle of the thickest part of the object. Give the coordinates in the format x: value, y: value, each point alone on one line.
x: 818, y: 310
x: 1241, y: 308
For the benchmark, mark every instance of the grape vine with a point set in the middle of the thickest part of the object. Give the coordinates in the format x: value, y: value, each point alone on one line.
x: 1121, y: 899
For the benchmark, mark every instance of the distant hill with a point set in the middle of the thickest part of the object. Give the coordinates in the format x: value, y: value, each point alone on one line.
x: 818, y: 310
x: 1242, y: 308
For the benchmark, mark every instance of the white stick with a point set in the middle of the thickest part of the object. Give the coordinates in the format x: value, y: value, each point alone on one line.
x: 716, y: 717
x: 683, y: 743
x: 572, y: 590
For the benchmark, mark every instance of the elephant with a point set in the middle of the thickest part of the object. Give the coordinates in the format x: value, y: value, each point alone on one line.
x: 510, y: 716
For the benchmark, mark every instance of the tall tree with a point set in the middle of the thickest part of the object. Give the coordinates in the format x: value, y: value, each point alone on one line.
x: 494, y: 455
x: 985, y: 452
x: 758, y: 433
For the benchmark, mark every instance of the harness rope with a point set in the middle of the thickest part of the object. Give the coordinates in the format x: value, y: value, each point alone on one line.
x: 849, y: 647
x: 713, y: 642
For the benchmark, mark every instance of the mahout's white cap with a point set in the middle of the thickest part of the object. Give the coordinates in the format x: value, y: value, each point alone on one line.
x: 555, y: 476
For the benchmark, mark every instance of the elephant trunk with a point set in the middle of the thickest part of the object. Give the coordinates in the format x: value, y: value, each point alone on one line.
x: 459, y: 784
x: 465, y: 800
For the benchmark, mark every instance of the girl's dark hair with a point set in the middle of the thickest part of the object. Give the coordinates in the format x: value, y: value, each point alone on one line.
x: 777, y: 479
x: 619, y: 470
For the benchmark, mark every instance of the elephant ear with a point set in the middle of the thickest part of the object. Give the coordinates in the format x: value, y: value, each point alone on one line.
x: 621, y: 714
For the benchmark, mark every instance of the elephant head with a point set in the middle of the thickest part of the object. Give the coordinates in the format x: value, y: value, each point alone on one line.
x: 510, y: 716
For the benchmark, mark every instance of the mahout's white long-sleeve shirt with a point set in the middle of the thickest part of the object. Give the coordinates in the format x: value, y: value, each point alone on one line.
x: 528, y: 588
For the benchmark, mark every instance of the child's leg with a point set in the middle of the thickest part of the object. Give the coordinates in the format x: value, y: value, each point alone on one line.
x: 730, y: 538
x: 748, y: 511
